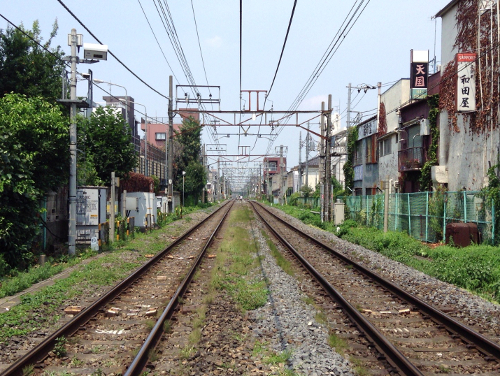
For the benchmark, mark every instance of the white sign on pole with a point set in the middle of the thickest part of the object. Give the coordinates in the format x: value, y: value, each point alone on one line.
x: 466, y: 82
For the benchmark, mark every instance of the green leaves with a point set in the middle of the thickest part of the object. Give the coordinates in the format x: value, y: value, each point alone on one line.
x: 105, y: 145
x: 33, y: 159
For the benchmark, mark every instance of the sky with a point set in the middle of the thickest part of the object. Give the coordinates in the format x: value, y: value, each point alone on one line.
x: 375, y: 49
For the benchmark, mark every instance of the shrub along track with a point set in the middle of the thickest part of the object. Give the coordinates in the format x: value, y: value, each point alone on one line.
x: 431, y: 347
x: 105, y: 336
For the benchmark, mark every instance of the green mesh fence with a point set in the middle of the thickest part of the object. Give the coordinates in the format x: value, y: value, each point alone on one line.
x: 423, y: 215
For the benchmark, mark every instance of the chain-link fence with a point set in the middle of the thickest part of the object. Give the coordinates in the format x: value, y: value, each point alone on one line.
x: 424, y: 215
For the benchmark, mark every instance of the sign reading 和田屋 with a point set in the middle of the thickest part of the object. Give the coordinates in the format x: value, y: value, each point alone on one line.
x: 466, y: 82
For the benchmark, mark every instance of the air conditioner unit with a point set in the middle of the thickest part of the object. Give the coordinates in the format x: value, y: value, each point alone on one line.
x: 395, y: 184
x: 424, y: 127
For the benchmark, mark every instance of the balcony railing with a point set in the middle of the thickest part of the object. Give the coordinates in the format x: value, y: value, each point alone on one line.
x: 411, y: 159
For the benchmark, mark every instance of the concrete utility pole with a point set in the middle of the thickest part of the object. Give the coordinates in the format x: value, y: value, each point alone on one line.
x: 308, y: 138
x: 218, y: 179
x: 328, y: 167
x: 300, y: 159
x: 348, y: 120
x: 170, y: 143
x: 281, y: 176
x: 112, y: 210
x: 72, y: 150
x: 322, y: 162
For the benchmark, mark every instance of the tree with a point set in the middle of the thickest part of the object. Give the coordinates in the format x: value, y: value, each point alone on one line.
x: 189, y: 144
x: 34, y: 158
x: 105, y: 140
x: 26, y: 67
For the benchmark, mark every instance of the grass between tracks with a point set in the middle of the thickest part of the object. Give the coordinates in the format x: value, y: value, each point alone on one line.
x: 43, y: 307
x: 236, y: 263
x: 475, y: 268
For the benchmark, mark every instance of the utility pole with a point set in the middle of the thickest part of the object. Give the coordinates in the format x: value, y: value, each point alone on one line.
x: 170, y: 143
x: 281, y: 176
x: 300, y: 159
x: 307, y: 156
x: 348, y: 121
x: 72, y: 150
x: 322, y: 163
x: 218, y: 179
x: 328, y: 167
x: 112, y: 210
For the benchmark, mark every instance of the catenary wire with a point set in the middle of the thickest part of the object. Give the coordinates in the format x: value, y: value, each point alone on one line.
x: 109, y: 51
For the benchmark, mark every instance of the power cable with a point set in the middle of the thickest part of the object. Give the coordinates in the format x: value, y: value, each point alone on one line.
x: 344, y: 29
x: 282, y: 49
x: 199, y: 45
x: 157, y: 42
x: 109, y: 51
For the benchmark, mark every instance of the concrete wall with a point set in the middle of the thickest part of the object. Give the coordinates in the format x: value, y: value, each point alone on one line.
x: 465, y: 156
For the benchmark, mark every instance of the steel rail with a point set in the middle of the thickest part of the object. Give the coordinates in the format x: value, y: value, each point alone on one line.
x: 482, y: 344
x: 41, y: 351
x: 383, y: 345
x: 137, y: 366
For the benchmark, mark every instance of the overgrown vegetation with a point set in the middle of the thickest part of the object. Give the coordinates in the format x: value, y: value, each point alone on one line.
x: 432, y: 156
x: 235, y: 276
x: 475, y: 268
x: 39, y: 309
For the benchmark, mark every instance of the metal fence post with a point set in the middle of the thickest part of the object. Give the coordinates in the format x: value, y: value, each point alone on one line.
x: 465, y: 206
x: 409, y: 215
x: 445, y: 200
x: 492, y: 222
x: 427, y: 217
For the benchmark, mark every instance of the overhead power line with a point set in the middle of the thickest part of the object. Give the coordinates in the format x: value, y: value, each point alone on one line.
x: 344, y: 29
x: 109, y: 51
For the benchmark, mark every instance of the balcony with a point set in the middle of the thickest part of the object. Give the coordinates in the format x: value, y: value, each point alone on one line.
x: 411, y: 159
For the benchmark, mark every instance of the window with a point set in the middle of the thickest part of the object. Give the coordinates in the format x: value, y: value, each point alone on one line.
x: 385, y: 146
x: 371, y: 149
x: 273, y: 166
x: 161, y: 136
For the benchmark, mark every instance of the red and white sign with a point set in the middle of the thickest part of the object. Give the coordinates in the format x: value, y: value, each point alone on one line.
x: 466, y: 82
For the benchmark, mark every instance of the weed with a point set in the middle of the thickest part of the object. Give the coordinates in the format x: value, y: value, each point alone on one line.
x: 195, y: 336
x: 60, y: 347
x: 153, y: 355
x: 259, y: 348
x: 321, y: 318
x: 76, y: 362
x: 167, y: 327
x: 97, y: 372
x: 95, y: 349
x: 337, y: 343
x: 150, y: 324
x: 308, y: 300
x: 187, y: 351
x: 278, y: 358
x: 28, y: 370
x: 444, y: 369
x: 358, y: 368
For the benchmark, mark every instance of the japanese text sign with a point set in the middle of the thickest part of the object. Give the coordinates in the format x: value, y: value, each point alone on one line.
x: 466, y: 82
x: 418, y: 75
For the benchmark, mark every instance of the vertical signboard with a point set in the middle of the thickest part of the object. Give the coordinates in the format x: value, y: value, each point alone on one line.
x: 419, y: 74
x: 466, y: 82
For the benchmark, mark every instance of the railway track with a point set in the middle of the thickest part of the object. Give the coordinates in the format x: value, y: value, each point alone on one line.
x: 120, y: 329
x: 412, y: 337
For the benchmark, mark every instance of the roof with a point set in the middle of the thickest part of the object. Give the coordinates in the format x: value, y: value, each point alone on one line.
x: 446, y: 9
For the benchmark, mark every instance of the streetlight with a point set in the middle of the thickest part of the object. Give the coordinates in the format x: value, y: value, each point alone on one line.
x: 146, y: 135
x: 123, y: 87
x: 183, y: 174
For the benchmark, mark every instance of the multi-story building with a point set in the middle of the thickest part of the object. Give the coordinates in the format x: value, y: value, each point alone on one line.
x: 468, y: 126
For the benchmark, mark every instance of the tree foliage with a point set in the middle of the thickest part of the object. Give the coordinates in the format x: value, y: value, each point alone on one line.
x: 26, y: 67
x: 352, y: 137
x: 189, y: 160
x: 105, y: 140
x: 33, y: 159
